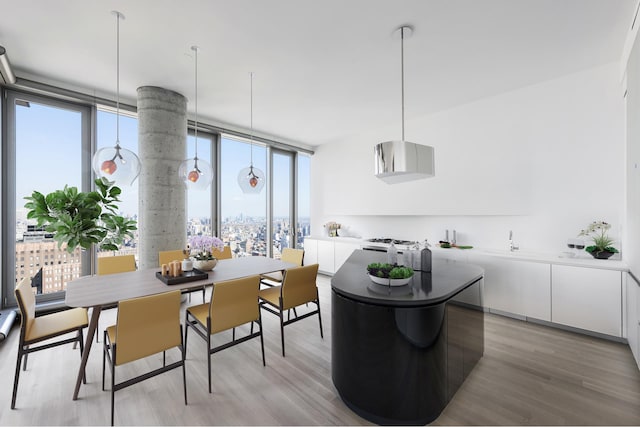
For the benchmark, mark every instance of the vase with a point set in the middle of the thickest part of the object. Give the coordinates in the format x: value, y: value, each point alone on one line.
x: 601, y: 254
x: 205, y: 264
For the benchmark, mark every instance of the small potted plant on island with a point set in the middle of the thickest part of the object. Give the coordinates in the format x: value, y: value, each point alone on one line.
x: 201, y: 251
x: 601, y: 248
x: 389, y: 274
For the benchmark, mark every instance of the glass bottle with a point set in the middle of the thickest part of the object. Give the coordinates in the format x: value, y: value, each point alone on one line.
x: 392, y: 254
x: 425, y: 257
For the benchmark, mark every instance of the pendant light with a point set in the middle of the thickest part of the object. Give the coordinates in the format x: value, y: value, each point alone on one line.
x: 116, y: 163
x: 196, y: 173
x: 401, y: 161
x: 251, y: 179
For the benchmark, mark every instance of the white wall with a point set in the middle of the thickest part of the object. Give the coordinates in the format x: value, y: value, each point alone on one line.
x: 543, y: 161
x: 632, y: 254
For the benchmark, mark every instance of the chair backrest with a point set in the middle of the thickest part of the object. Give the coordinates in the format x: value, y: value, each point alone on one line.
x: 293, y: 256
x: 165, y: 257
x: 116, y: 264
x: 234, y: 303
x: 225, y: 253
x: 27, y: 303
x: 299, y: 286
x: 147, y: 325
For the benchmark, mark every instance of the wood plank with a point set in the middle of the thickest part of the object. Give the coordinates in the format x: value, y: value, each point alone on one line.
x: 530, y: 375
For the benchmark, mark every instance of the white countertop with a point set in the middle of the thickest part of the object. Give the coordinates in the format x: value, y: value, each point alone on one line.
x: 558, y: 258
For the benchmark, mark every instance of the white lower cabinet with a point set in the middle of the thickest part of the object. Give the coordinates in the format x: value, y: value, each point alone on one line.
x: 342, y: 251
x: 310, y: 251
x: 518, y: 287
x: 633, y: 317
x: 587, y: 298
x: 329, y: 254
x: 326, y: 256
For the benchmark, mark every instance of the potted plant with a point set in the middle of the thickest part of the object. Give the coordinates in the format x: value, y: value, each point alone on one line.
x: 601, y: 248
x: 82, y: 218
x: 389, y: 274
x: 200, y: 248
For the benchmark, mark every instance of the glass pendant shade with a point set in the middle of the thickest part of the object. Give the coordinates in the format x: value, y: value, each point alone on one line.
x: 196, y: 173
x: 251, y: 180
x: 116, y: 164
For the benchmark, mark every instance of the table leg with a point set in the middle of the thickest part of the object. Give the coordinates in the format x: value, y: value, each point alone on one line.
x: 93, y: 325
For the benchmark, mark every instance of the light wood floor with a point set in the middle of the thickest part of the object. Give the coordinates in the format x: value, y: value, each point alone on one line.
x: 529, y: 375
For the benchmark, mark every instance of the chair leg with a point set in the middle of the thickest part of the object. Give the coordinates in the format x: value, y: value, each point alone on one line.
x: 204, y: 290
x: 81, y: 342
x: 15, y: 378
x: 183, y: 350
x: 264, y: 363
x: 319, y: 318
x: 26, y: 355
x: 164, y: 358
x: 282, y: 331
x: 113, y: 386
x: 209, y: 358
x: 104, y: 357
x: 233, y: 334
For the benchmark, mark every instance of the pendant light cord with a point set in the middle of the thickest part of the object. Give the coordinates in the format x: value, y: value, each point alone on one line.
x: 402, y: 74
x: 118, y: 16
x: 195, y: 49
x: 251, y: 115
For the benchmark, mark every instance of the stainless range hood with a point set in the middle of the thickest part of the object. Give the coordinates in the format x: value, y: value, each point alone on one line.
x: 401, y: 161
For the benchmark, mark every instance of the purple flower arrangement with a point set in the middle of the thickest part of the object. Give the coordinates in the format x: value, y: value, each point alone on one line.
x: 201, y: 246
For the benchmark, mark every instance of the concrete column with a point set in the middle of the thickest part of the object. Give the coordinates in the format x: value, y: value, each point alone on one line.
x: 162, y: 140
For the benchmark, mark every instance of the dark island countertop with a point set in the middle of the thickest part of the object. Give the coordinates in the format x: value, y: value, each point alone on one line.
x: 445, y: 280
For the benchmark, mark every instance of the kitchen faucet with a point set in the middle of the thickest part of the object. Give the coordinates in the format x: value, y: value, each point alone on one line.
x: 512, y: 246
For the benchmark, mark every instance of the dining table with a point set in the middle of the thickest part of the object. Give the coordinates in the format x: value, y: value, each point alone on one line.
x: 106, y: 290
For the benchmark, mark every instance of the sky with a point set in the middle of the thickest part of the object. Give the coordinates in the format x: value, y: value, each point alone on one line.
x: 48, y: 157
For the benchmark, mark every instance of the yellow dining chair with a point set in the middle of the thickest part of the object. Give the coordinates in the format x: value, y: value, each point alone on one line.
x: 145, y: 326
x: 36, y: 329
x: 112, y: 265
x: 165, y: 257
x: 225, y: 253
x: 298, y: 287
x: 233, y: 303
x: 116, y: 264
x: 294, y: 256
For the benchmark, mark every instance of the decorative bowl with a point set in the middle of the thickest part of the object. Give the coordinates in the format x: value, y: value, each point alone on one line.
x: 205, y: 265
x: 385, y: 281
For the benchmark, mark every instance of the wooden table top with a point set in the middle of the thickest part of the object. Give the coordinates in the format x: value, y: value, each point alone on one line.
x: 89, y: 291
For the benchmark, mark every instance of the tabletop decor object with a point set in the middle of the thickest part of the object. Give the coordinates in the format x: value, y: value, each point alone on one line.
x: 601, y: 248
x: 200, y: 248
x: 389, y: 274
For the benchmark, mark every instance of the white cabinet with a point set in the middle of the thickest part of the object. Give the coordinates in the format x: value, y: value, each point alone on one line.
x: 310, y: 251
x: 326, y: 256
x: 330, y: 254
x: 633, y: 317
x: 342, y: 251
x: 587, y: 298
x: 518, y: 287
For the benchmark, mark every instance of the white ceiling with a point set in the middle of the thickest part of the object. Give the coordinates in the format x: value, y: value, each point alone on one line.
x: 323, y: 69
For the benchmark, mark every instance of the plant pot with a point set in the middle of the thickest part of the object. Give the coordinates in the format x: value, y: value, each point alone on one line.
x: 205, y: 265
x: 601, y: 254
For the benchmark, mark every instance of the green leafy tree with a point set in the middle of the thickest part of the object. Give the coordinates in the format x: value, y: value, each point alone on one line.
x: 82, y: 218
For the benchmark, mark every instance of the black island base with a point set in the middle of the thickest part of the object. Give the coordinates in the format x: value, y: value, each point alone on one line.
x: 400, y: 354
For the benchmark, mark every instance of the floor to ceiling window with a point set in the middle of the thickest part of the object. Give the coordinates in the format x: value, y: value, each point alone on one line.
x: 281, y: 220
x: 45, y: 145
x: 243, y: 222
x: 303, y: 224
x: 106, y: 137
x: 199, y: 202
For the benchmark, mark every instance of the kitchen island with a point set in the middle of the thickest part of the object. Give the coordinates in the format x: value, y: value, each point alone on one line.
x: 399, y: 354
